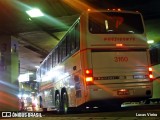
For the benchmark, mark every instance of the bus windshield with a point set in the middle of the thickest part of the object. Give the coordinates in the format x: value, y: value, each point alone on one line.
x: 115, y: 23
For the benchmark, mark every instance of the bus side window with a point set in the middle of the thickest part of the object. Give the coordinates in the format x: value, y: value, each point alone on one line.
x: 53, y: 59
x: 77, y: 35
x: 2, y: 62
x: 45, y: 66
x: 158, y: 57
x: 64, y: 54
x: 42, y: 69
x: 73, y: 40
x: 59, y: 53
x: 68, y: 44
x: 56, y: 55
x: 49, y: 63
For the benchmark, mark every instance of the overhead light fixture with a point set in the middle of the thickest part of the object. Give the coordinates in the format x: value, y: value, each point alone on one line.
x: 35, y: 12
x: 150, y: 41
x: 23, y: 77
x: 30, y: 73
x: 37, y: 66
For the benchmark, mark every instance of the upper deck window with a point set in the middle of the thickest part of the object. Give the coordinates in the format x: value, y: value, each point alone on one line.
x: 115, y: 23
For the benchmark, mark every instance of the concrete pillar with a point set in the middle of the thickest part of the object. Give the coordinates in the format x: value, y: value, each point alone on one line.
x: 9, y: 71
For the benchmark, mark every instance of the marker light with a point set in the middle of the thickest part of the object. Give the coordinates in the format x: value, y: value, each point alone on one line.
x: 122, y: 90
x: 119, y: 45
x: 88, y: 72
x: 89, y: 10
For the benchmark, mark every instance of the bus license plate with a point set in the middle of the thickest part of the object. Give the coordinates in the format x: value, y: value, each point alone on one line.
x: 123, y: 92
x: 138, y: 76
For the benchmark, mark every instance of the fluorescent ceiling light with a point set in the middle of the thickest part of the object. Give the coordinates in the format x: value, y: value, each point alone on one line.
x: 150, y: 41
x: 37, y: 66
x: 30, y: 73
x: 23, y: 77
x: 35, y: 12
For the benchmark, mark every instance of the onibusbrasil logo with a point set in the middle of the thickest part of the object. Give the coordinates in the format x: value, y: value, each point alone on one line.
x: 21, y: 114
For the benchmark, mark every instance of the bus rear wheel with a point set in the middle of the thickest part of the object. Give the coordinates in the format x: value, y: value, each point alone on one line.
x: 57, y: 103
x: 64, y: 106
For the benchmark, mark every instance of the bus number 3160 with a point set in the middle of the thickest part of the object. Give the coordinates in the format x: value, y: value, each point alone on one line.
x: 121, y: 59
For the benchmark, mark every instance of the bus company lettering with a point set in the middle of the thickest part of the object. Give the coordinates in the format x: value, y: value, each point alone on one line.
x: 119, y: 39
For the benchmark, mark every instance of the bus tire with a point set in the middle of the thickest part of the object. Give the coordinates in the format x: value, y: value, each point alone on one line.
x: 64, y: 103
x: 57, y: 103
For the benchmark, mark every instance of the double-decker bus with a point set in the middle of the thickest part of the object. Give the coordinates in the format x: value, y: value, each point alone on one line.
x: 102, y: 60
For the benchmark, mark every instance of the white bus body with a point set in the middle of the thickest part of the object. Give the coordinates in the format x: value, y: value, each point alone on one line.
x: 108, y: 63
